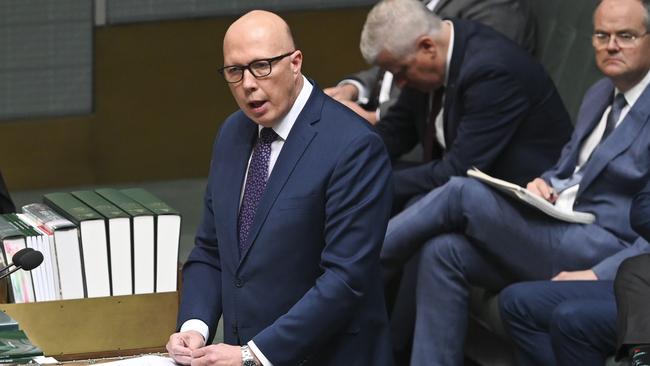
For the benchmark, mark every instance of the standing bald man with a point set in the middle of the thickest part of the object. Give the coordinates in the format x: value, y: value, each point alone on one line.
x: 295, y: 211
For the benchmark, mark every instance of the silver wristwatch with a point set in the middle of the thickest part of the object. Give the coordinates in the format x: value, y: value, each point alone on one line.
x: 247, y: 358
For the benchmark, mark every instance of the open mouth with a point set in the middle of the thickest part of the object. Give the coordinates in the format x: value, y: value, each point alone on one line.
x: 257, y: 104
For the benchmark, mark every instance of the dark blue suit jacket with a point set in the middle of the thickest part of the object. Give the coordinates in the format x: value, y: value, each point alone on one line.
x: 308, y: 290
x: 502, y: 114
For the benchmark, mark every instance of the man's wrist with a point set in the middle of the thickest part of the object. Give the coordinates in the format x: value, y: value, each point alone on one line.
x: 247, y: 357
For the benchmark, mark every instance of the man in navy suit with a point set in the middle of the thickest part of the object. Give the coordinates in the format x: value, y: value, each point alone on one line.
x: 470, y: 95
x: 296, y: 207
x: 468, y: 234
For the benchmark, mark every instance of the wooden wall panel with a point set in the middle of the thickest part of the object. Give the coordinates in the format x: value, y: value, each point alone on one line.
x: 159, y: 102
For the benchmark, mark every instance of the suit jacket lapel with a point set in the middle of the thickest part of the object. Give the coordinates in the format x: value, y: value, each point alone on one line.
x: 301, y: 135
x: 619, y: 140
x: 233, y: 179
x: 601, y: 101
x: 457, y: 56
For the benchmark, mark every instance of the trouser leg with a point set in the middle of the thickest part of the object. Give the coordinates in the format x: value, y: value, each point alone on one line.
x: 448, y: 264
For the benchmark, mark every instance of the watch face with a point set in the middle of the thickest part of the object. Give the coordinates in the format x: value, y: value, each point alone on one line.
x: 249, y: 363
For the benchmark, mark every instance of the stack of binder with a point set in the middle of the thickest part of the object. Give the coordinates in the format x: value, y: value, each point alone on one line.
x: 97, y: 243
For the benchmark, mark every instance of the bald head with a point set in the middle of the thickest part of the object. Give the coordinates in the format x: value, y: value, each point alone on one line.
x: 263, y: 66
x: 259, y: 27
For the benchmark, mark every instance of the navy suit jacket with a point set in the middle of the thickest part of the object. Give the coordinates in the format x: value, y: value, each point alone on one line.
x: 502, y: 114
x: 308, y: 290
x: 618, y: 168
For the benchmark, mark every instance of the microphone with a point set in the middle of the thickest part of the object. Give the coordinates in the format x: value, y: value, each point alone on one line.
x: 31, y: 260
x: 26, y: 258
x: 16, y: 259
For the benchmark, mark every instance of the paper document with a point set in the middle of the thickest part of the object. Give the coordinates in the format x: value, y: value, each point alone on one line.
x: 148, y: 360
x: 531, y: 199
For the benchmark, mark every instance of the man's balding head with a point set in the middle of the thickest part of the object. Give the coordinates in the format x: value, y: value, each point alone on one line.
x: 258, y: 36
x: 262, y: 27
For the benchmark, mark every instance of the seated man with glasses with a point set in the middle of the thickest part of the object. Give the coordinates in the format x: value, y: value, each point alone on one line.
x: 469, y: 234
x: 295, y: 211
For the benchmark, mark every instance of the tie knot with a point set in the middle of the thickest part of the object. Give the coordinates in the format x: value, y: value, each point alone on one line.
x: 619, y: 101
x: 267, y: 135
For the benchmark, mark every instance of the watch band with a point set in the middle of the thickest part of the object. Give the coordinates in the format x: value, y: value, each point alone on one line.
x: 247, y: 358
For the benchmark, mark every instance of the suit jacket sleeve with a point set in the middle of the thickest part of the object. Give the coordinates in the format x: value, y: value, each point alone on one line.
x: 398, y: 125
x: 606, y: 269
x: 368, y: 77
x: 357, y: 208
x: 370, y: 81
x: 494, y: 104
x: 201, y: 295
x: 640, y: 221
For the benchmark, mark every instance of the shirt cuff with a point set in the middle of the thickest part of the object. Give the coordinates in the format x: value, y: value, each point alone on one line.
x: 362, y: 95
x: 260, y: 356
x: 196, y: 325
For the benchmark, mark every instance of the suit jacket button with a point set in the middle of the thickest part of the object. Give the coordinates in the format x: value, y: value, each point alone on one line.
x: 239, y: 283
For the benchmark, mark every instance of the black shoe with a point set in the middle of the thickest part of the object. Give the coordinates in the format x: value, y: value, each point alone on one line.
x: 640, y: 355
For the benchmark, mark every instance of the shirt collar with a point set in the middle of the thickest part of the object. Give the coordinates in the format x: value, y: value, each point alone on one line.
x: 283, y: 127
x: 634, y: 92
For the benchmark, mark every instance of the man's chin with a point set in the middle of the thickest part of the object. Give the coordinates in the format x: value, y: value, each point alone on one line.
x: 263, y: 120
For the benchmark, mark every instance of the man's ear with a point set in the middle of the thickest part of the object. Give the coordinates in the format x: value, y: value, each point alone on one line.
x: 426, y: 45
x: 296, y: 62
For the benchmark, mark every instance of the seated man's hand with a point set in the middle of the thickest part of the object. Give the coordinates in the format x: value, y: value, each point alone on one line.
x: 181, y: 345
x: 586, y: 275
x: 217, y: 355
x: 539, y: 187
x: 343, y: 92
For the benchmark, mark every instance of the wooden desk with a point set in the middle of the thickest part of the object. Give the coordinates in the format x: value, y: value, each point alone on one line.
x: 98, y: 327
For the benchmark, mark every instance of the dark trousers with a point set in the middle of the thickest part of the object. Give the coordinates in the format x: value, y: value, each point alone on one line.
x: 560, y: 323
x: 632, y: 288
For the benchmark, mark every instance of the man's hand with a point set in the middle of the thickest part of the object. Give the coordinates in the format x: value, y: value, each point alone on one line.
x: 217, y: 355
x: 586, y: 275
x: 344, y: 92
x: 370, y: 116
x: 539, y: 187
x: 181, y: 345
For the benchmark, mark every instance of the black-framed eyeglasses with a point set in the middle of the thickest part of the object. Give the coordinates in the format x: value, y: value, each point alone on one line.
x: 623, y: 39
x: 258, y: 68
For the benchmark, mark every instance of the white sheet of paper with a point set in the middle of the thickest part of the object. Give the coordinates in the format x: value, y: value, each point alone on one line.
x: 149, y: 360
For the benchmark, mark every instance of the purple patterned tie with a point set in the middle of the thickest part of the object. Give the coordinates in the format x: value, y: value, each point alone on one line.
x: 255, y: 184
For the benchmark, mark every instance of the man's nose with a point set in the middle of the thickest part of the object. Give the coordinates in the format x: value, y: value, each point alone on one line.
x: 248, y: 80
x: 612, y: 44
